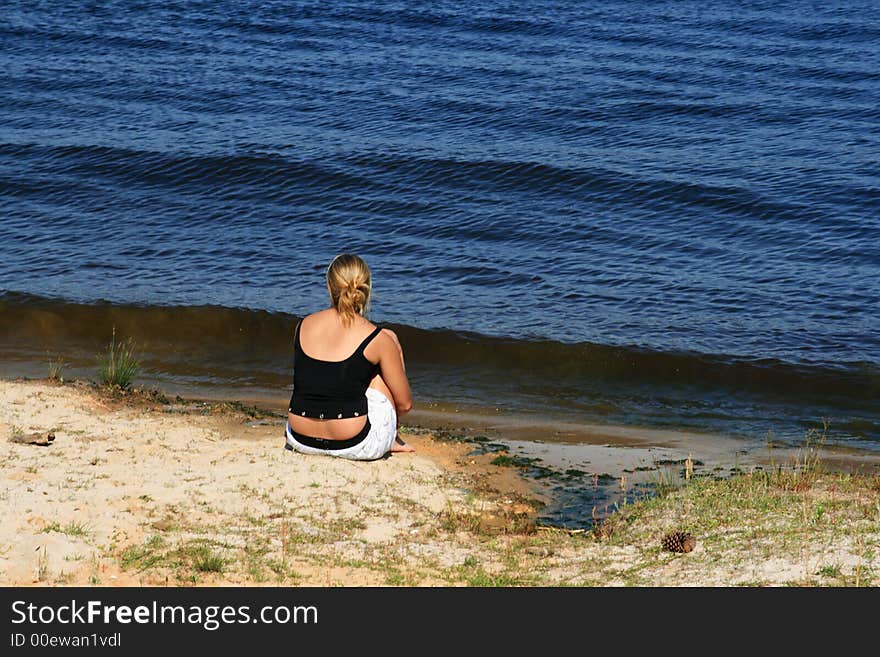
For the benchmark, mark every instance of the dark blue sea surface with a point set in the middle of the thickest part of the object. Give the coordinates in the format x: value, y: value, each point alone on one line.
x: 665, y: 213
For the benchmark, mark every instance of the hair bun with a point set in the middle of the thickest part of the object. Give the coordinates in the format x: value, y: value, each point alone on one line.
x: 349, y: 283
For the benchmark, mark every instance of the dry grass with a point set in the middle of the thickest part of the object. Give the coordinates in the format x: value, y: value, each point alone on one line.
x: 819, y: 527
x: 352, y: 524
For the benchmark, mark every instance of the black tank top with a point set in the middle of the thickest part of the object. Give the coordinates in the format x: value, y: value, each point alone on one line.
x: 327, y: 389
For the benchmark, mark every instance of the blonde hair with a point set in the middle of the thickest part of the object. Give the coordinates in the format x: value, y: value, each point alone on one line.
x: 349, y: 283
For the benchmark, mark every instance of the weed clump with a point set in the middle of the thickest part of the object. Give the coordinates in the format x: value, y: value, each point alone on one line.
x: 119, y: 365
x: 55, y: 369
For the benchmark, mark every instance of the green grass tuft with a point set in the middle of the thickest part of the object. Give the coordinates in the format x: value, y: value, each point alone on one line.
x: 206, y: 561
x: 73, y: 528
x: 119, y: 366
x: 55, y: 368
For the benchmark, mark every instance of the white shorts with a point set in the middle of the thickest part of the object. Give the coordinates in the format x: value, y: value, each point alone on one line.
x: 383, y: 431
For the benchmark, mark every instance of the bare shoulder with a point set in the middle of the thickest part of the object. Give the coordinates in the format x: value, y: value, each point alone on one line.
x: 365, y: 326
x: 313, y: 318
x: 320, y: 315
x: 388, y: 333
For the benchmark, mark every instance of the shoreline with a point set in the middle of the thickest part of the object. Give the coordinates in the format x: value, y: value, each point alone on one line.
x: 237, y: 352
x: 140, y: 489
x: 582, y: 471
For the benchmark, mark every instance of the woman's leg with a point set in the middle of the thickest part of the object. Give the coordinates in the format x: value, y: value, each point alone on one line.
x: 378, y: 384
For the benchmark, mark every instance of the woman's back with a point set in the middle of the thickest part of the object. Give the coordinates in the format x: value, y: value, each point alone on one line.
x: 331, y: 375
x: 323, y: 336
x: 348, y: 373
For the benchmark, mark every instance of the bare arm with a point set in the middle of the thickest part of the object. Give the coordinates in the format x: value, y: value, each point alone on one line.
x: 391, y: 334
x: 393, y: 370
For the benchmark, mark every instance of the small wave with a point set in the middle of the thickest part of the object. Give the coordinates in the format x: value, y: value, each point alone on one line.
x: 266, y: 335
x: 178, y: 170
x: 276, y: 176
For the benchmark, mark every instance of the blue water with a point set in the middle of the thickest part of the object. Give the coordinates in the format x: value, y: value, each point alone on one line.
x: 676, y: 177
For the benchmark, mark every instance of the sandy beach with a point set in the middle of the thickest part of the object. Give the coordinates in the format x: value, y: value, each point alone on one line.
x: 213, y: 479
x: 140, y: 489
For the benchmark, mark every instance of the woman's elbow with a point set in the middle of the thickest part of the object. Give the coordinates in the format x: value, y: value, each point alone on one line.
x: 404, y: 407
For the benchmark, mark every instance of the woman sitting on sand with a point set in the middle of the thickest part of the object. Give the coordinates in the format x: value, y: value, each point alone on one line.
x: 349, y: 379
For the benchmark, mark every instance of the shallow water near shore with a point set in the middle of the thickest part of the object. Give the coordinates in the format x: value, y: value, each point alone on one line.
x: 586, y: 472
x: 241, y: 353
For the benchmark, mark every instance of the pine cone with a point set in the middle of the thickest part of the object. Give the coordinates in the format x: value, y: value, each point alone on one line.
x: 603, y: 529
x: 678, y: 542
